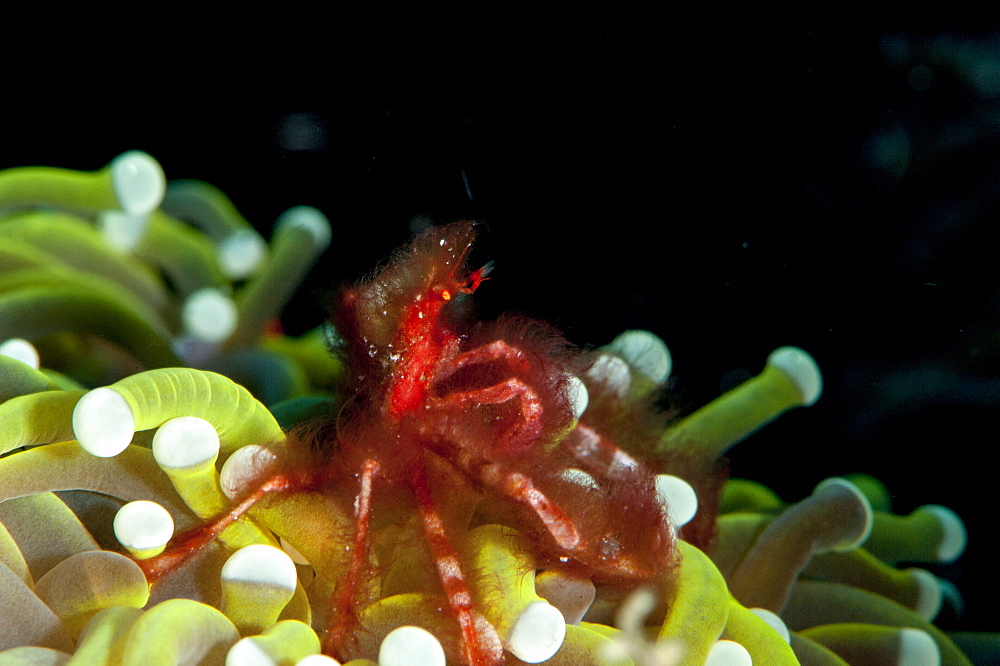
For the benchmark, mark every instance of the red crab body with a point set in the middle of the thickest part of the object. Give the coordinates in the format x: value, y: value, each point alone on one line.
x: 443, y: 408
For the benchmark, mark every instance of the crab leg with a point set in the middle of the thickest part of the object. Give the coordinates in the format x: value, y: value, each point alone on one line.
x: 596, y: 452
x: 342, y: 615
x: 480, y: 643
x: 184, y: 546
x: 520, y: 487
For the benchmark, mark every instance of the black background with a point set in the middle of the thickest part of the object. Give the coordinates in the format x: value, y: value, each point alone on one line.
x: 732, y: 188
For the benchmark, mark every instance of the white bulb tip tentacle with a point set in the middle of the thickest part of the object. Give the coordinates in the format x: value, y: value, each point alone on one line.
x: 209, y: 315
x: 930, y: 593
x: 122, y: 230
x: 185, y: 441
x: 241, y: 253
x: 247, y: 652
x: 578, y: 396
x: 143, y: 526
x: 241, y: 468
x: 802, y: 369
x: 103, y: 422
x: 645, y: 353
x: 864, y: 525
x: 612, y: 373
x: 260, y: 564
x: 538, y: 633
x: 678, y: 498
x: 728, y: 653
x: 138, y: 181
x: 954, y: 536
x: 410, y: 645
x: 310, y: 219
x: 775, y: 622
x: 21, y: 350
x: 917, y: 648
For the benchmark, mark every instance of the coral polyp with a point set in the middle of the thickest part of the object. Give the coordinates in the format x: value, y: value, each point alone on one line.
x: 181, y: 483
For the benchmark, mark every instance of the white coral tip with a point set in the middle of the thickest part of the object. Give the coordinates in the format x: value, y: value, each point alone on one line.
x: 801, y: 368
x: 241, y: 252
x: 185, y: 441
x: 538, y: 633
x: 242, y: 467
x: 728, y: 653
x: 143, y: 525
x: 21, y: 350
x: 953, y: 533
x: 310, y: 219
x: 138, y: 182
x: 917, y: 648
x: 261, y: 564
x: 645, y: 353
x: 678, y: 498
x: 209, y: 316
x: 103, y: 422
x: 410, y: 645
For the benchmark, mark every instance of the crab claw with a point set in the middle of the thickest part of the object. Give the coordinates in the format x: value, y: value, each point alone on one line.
x: 477, y: 276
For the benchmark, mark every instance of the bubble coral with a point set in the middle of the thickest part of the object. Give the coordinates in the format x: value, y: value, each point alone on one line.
x: 102, y: 285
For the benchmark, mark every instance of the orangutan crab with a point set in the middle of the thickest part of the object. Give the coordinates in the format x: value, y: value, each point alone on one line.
x: 439, y: 403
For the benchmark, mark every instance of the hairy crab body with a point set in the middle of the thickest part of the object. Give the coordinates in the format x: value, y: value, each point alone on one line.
x: 460, y: 419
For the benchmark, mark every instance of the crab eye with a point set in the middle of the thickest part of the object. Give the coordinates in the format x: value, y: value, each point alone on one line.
x: 445, y: 294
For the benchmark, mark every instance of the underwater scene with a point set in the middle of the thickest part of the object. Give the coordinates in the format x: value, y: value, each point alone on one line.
x: 636, y: 355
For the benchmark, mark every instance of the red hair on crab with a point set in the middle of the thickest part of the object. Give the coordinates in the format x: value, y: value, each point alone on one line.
x: 459, y: 423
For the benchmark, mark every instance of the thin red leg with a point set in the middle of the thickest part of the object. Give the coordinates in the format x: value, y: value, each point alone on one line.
x: 520, y: 487
x: 343, y: 617
x: 559, y: 525
x: 185, y: 545
x: 480, y: 643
